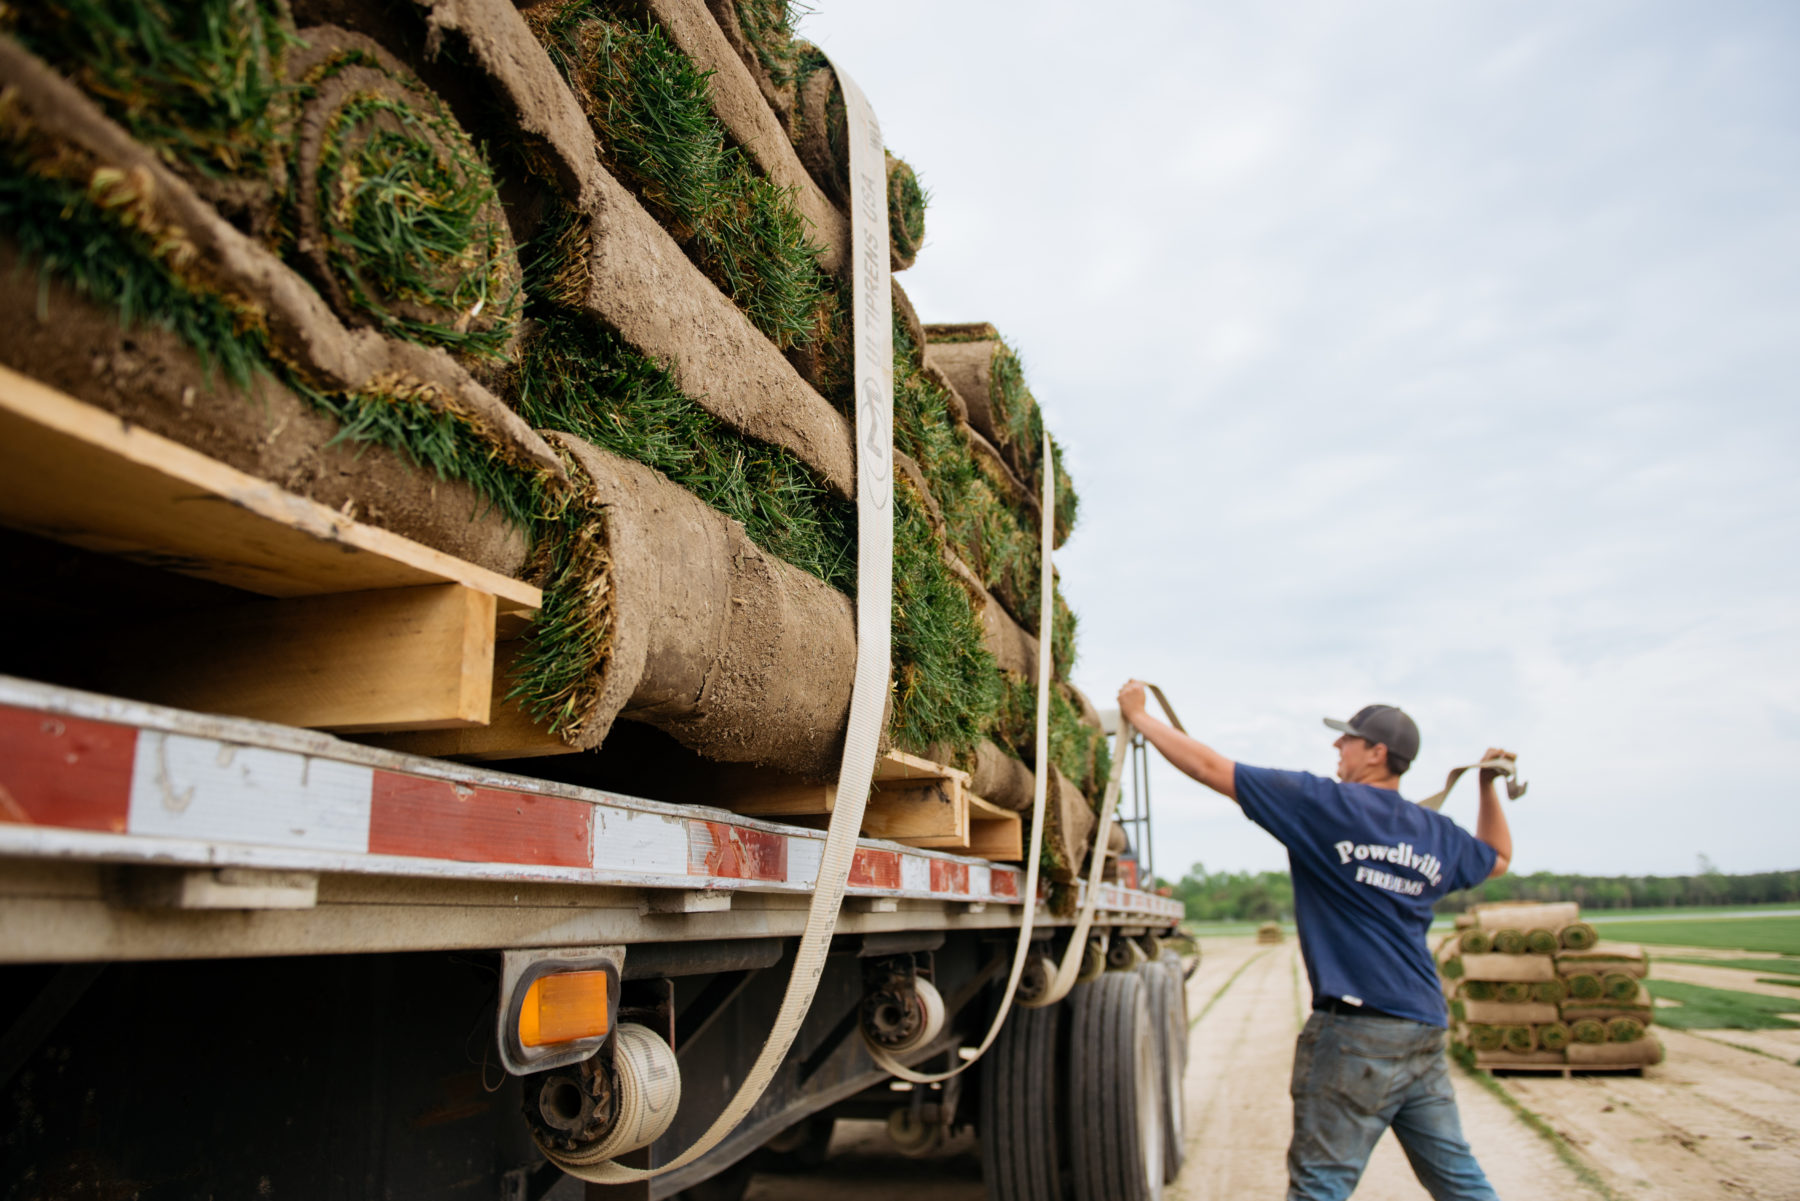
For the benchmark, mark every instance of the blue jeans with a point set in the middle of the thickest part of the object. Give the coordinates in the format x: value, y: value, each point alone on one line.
x: 1354, y: 1077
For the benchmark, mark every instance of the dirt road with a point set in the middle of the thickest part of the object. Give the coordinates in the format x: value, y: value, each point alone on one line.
x: 1716, y: 1120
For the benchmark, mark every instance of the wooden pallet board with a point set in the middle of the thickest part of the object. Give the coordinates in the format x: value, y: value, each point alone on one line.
x: 78, y: 474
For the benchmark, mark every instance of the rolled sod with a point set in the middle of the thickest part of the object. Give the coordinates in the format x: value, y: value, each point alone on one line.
x: 1478, y: 990
x: 1554, y: 1036
x: 1585, y: 986
x: 1618, y: 986
x: 1588, y: 1030
x: 398, y: 220
x: 1513, y: 992
x: 1487, y: 1038
x: 1459, y: 1011
x: 1525, y: 915
x: 1475, y: 942
x: 1452, y: 968
x: 1624, y: 1030
x: 1509, y: 942
x: 1550, y: 992
x: 1540, y: 942
x: 1578, y: 936
x: 1519, y: 1039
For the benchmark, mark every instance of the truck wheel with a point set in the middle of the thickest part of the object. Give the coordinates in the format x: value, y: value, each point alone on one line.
x: 1019, y: 1105
x: 1168, y: 1015
x: 1115, y: 1091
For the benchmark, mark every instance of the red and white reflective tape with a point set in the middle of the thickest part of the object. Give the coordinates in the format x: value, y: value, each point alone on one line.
x: 91, y: 777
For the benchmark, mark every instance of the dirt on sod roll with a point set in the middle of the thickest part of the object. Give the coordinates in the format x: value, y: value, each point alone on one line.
x: 147, y: 375
x: 1525, y: 915
x: 1000, y: 778
x: 738, y: 655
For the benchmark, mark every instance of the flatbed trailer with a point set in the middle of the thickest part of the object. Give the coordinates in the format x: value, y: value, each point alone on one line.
x: 251, y: 959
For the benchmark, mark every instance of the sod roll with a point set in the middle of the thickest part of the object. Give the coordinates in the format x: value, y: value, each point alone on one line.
x: 1486, y: 1038
x: 1476, y: 942
x: 1605, y: 957
x: 398, y: 221
x: 1619, y: 986
x: 1477, y: 990
x: 1509, y: 942
x: 1526, y: 915
x: 737, y: 654
x: 1646, y: 1052
x: 1624, y: 1030
x: 1578, y: 936
x: 1553, y: 1036
x: 1587, y: 1030
x: 1513, y: 992
x: 1519, y: 1039
x: 1585, y: 986
x: 1550, y: 992
x: 1000, y: 778
x: 1508, y: 967
x: 1453, y: 968
x: 1540, y: 942
x: 1499, y: 1013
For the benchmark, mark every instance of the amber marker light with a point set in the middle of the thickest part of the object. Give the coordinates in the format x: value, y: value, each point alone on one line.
x: 562, y: 1008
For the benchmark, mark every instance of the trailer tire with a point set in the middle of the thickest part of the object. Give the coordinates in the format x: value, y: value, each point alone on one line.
x: 1020, y: 1103
x: 1169, y: 1017
x: 1115, y: 1091
x: 1178, y: 973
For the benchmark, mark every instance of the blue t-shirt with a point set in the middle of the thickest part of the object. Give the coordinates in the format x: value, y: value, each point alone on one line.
x: 1367, y: 866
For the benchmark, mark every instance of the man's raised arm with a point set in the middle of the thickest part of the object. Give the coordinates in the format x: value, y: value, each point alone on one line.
x: 1490, y: 824
x: 1190, y: 755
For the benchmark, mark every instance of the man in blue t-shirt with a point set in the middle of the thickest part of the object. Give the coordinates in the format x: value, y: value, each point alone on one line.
x: 1367, y: 866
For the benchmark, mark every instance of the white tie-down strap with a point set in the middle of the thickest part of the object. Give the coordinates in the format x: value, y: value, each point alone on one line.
x: 1072, y: 954
x: 1039, y: 791
x: 874, y: 342
x: 1507, y: 767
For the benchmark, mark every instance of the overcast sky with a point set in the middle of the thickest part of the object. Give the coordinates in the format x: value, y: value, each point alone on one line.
x: 1441, y: 354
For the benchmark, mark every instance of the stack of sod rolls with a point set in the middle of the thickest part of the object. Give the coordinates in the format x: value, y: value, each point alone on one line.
x: 1530, y: 985
x: 561, y: 289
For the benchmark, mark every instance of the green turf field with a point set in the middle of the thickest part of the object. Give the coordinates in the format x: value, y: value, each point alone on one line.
x: 1703, y: 1008
x: 1780, y: 934
x: 1785, y: 967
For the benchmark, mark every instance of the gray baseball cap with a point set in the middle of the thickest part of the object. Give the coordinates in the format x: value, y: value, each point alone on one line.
x: 1386, y: 724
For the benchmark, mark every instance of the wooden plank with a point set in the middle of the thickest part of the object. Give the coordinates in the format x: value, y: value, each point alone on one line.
x: 919, y: 813
x: 509, y: 734
x: 995, y: 833
x: 759, y: 792
x: 396, y: 659
x: 78, y: 474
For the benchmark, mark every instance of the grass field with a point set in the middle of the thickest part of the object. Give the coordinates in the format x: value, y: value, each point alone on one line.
x: 1779, y: 934
x: 1703, y: 1008
x: 1785, y: 967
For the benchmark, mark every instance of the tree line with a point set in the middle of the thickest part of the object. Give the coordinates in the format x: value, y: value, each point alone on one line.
x: 1269, y: 896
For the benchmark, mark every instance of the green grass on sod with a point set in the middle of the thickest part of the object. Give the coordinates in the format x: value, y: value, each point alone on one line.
x: 1785, y: 967
x: 1788, y: 981
x: 1705, y: 1008
x: 1780, y: 934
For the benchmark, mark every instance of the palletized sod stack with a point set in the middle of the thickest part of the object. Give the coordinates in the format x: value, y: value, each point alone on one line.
x: 1530, y: 985
x: 560, y: 289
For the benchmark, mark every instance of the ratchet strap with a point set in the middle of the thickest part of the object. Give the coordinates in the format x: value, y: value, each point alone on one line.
x: 872, y: 309
x: 1515, y: 787
x: 1039, y: 791
x: 1070, y: 967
